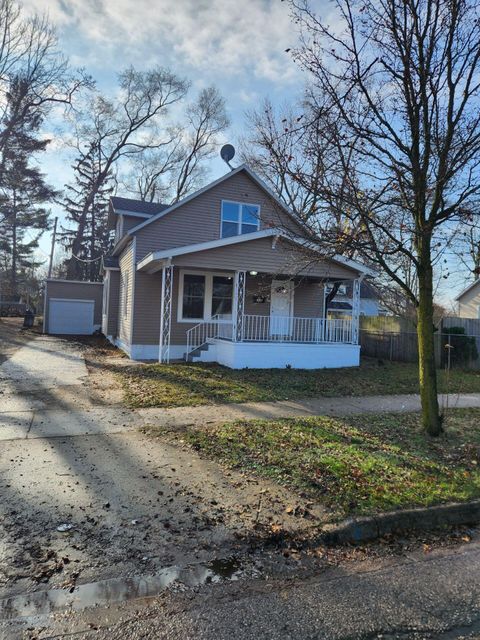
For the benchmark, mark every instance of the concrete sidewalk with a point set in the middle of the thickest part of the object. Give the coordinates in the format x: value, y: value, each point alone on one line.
x: 343, y: 406
x: 43, y: 394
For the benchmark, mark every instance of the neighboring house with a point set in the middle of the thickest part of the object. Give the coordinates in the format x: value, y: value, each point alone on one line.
x: 469, y: 301
x: 224, y: 276
x: 370, y: 303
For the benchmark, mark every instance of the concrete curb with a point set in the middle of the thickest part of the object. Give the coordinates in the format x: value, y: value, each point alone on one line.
x: 363, y: 529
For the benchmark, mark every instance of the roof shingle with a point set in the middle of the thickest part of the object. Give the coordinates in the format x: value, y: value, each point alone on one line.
x: 137, y: 206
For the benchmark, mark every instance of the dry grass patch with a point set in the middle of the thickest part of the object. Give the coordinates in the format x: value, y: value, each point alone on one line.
x: 176, y: 385
x: 358, y: 465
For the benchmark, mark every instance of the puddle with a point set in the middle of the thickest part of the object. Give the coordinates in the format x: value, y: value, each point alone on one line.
x: 118, y: 590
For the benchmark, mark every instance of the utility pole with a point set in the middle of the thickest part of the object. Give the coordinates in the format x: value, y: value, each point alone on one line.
x: 53, y: 247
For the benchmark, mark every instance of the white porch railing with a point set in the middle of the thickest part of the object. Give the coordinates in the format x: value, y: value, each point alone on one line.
x: 202, y: 332
x: 293, y: 329
x: 272, y: 329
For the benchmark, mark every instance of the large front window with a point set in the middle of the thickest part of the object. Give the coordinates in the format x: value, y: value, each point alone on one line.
x: 239, y: 218
x: 205, y: 295
x: 222, y: 293
x: 193, y: 296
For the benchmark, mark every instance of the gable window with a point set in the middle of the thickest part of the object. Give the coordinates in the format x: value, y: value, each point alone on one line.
x: 205, y: 295
x: 239, y: 218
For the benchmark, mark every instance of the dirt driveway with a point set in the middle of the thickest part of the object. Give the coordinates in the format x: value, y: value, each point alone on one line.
x: 85, y: 495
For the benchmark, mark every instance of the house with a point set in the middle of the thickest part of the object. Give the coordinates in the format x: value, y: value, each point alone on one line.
x: 342, y: 303
x: 224, y: 276
x: 469, y: 301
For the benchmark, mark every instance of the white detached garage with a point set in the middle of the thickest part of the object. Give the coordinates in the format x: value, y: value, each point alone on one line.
x: 72, y: 307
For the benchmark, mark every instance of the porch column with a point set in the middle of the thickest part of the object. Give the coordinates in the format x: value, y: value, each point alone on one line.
x: 239, y: 306
x: 166, y: 313
x: 356, y: 310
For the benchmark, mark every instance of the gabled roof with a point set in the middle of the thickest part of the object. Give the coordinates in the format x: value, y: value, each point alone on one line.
x: 130, y: 206
x: 242, y: 167
x: 470, y: 286
x: 158, y: 256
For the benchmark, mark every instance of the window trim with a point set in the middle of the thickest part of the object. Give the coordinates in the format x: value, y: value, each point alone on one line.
x: 241, y: 204
x: 207, y: 306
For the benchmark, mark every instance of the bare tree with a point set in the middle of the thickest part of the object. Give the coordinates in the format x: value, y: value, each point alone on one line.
x: 175, y: 168
x: 206, y: 119
x: 402, y: 79
x: 467, y: 243
x: 151, y: 174
x: 294, y: 151
x: 29, y: 53
x: 289, y: 150
x: 124, y: 127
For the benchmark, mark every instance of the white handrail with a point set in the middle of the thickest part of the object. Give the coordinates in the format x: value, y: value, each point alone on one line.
x: 258, y: 328
x: 218, y: 327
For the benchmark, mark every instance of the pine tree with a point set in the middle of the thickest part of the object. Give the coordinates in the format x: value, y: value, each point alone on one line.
x: 92, y: 220
x: 23, y: 194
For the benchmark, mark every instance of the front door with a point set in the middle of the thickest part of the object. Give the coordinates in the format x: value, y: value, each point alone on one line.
x: 281, y: 305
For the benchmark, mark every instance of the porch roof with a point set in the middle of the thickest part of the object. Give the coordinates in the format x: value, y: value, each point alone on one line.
x: 156, y: 260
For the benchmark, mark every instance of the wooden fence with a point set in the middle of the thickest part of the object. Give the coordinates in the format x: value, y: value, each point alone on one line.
x: 390, y: 341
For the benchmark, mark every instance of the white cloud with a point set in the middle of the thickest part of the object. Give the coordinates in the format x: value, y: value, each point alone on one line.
x: 226, y: 37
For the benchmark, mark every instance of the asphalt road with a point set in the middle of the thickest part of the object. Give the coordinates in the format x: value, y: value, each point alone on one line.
x: 433, y: 595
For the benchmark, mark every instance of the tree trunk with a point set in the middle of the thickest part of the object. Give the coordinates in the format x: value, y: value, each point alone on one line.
x: 13, y: 274
x: 431, y: 419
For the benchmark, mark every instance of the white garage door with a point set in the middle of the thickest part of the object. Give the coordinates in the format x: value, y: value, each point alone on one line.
x: 74, y: 317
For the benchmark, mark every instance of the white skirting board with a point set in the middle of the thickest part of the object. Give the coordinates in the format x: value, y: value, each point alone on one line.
x: 265, y: 355
x: 149, y: 351
x: 258, y: 355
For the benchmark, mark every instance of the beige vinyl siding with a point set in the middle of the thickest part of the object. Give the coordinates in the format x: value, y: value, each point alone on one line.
x: 199, y: 219
x: 469, y: 303
x: 131, y: 221
x: 257, y: 285
x: 74, y: 290
x: 127, y: 274
x: 308, y: 299
x: 147, y: 308
x: 113, y: 302
x: 260, y: 255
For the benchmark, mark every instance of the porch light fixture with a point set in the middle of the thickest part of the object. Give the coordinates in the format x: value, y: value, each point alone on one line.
x: 253, y: 273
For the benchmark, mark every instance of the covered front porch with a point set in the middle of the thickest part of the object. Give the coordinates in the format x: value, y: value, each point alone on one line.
x: 255, y: 317
x: 272, y: 340
x: 258, y: 327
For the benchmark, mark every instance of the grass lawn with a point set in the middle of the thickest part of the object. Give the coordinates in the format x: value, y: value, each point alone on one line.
x: 176, y: 385
x: 359, y: 465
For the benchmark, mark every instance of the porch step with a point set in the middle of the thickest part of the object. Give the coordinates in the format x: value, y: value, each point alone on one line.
x: 196, y: 353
